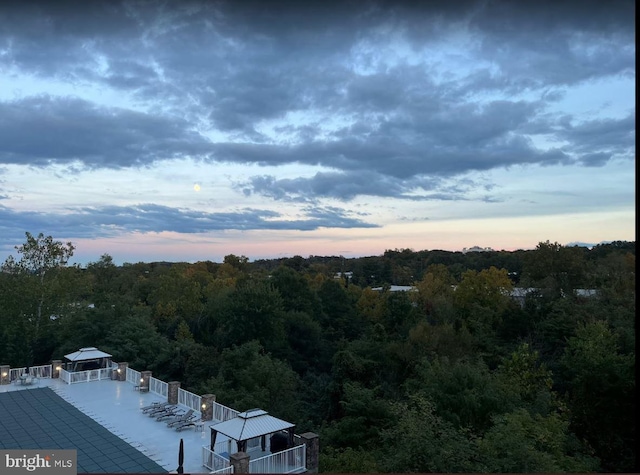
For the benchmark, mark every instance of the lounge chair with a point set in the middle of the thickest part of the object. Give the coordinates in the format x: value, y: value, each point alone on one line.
x: 174, y: 412
x: 154, y: 406
x: 187, y: 416
x: 185, y: 424
x: 157, y: 412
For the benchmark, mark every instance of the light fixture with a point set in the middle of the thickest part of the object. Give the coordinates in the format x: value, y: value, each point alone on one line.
x: 118, y: 370
x: 58, y: 368
x: 4, y: 375
x: 204, y: 406
x: 142, y: 380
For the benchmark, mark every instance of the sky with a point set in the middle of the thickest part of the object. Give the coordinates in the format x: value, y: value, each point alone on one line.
x: 187, y: 131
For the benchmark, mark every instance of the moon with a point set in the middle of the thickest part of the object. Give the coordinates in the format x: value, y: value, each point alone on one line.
x: 196, y: 187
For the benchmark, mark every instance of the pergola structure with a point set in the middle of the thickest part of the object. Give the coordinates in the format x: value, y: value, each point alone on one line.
x: 251, y: 424
x: 88, y: 357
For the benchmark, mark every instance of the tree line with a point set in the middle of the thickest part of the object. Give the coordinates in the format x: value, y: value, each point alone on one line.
x: 452, y: 376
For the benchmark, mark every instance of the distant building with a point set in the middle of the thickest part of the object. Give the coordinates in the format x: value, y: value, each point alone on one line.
x: 476, y: 249
x: 519, y: 294
x: 346, y: 275
x: 395, y: 288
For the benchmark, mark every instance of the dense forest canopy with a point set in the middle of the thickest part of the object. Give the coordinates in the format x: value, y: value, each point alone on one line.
x: 455, y: 375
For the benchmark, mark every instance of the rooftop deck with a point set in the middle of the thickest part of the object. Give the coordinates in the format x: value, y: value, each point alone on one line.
x: 116, y: 406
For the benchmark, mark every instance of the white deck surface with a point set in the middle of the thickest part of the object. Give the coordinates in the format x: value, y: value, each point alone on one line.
x: 116, y: 406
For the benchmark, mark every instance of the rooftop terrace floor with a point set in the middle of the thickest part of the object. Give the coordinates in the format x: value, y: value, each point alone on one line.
x: 115, y: 406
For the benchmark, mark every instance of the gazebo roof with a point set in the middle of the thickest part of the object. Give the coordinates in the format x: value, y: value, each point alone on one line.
x: 89, y: 353
x: 250, y: 424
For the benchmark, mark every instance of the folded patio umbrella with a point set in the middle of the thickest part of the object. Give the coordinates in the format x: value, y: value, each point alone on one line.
x: 181, y: 457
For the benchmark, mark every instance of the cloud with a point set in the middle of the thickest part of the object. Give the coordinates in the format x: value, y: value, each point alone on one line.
x: 346, y: 186
x: 106, y: 221
x: 393, y: 99
x: 44, y: 129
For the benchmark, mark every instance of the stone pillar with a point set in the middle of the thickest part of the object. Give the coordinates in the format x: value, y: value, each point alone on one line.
x: 145, y: 376
x: 312, y: 441
x: 172, y: 392
x: 122, y: 371
x: 56, y: 366
x: 240, y: 462
x: 206, y: 408
x: 5, y: 374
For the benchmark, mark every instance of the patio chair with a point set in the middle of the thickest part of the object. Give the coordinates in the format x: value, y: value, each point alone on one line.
x: 185, y: 424
x: 187, y: 416
x: 154, y: 406
x: 169, y: 414
x: 162, y: 410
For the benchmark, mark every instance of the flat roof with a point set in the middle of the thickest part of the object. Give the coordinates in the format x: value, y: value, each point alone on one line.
x: 40, y: 419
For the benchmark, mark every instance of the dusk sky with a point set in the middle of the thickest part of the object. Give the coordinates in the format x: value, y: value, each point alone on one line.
x: 186, y: 131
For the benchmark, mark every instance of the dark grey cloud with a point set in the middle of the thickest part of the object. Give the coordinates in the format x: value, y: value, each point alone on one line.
x: 105, y: 221
x: 590, y: 142
x: 43, y: 130
x: 346, y: 186
x: 230, y: 66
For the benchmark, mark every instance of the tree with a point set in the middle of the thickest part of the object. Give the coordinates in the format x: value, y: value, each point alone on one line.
x: 465, y: 393
x: 421, y: 441
x: 435, y: 292
x: 39, y: 287
x: 519, y: 442
x: 555, y: 268
x: 601, y: 383
x: 339, y: 319
x: 247, y: 377
x: 366, y: 414
x: 253, y: 311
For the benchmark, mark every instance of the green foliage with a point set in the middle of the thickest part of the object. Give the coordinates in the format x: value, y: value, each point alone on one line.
x: 37, y: 289
x: 444, y: 340
x: 253, y: 311
x: 422, y: 441
x: 306, y: 348
x: 347, y: 460
x: 527, y: 379
x: 247, y: 378
x: 365, y: 415
x: 555, y: 268
x: 452, y: 377
x: 519, y: 442
x: 135, y: 339
x: 339, y: 317
x: 597, y: 374
x: 294, y: 289
x: 465, y: 393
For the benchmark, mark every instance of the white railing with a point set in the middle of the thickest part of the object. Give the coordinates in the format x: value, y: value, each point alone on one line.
x: 287, y: 461
x: 159, y: 387
x: 133, y: 376
x: 223, y: 413
x: 228, y: 469
x: 225, y: 447
x: 192, y: 401
x: 65, y: 376
x: 214, y: 461
x: 15, y: 373
x: 85, y: 376
x: 43, y: 371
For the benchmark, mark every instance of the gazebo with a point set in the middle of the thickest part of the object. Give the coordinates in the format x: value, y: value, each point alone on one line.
x: 252, y: 424
x: 87, y: 359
